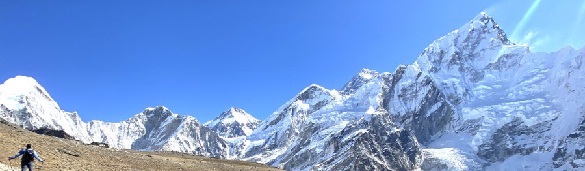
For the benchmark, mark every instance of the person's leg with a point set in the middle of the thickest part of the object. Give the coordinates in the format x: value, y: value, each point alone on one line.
x: 30, y: 166
x: 23, y: 166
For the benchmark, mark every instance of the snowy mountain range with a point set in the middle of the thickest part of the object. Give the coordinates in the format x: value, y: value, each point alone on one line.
x: 25, y: 102
x: 473, y: 100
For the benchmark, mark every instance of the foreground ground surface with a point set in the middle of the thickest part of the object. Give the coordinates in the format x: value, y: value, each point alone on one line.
x: 62, y: 154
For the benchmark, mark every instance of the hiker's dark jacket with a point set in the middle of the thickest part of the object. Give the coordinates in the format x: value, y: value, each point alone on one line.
x: 22, y: 151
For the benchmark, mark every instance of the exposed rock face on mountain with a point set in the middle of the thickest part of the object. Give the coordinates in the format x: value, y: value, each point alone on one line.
x: 415, y: 102
x: 159, y: 129
x: 54, y: 133
x: 233, y: 123
x: 487, y: 103
x: 25, y: 103
x: 570, y: 153
x: 473, y: 100
x: 323, y: 129
x: 363, y: 77
x: 371, y: 146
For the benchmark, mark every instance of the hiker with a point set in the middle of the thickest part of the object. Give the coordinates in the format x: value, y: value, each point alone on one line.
x: 28, y: 157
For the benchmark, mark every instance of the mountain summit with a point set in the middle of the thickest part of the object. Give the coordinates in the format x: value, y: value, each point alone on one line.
x: 232, y: 123
x: 363, y: 77
x: 472, y: 100
x: 24, y: 102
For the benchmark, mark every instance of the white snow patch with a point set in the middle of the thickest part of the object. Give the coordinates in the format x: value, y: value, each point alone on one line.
x: 448, y: 156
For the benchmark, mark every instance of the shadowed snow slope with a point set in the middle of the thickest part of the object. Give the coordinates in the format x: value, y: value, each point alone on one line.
x: 473, y: 100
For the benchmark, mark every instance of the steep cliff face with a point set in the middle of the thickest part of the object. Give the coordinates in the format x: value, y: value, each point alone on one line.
x: 23, y: 101
x: 491, y: 104
x: 26, y: 103
x: 570, y: 152
x: 416, y: 103
x: 275, y: 135
x: 324, y: 129
x: 372, y: 145
x: 158, y: 129
x: 473, y: 100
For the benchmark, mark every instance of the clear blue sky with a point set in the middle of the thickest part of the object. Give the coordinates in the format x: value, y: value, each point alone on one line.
x: 108, y: 60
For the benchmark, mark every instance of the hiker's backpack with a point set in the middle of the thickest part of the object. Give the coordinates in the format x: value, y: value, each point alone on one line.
x: 28, y: 156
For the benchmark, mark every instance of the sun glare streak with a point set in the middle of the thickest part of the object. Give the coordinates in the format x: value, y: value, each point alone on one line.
x: 577, y: 26
x: 525, y: 18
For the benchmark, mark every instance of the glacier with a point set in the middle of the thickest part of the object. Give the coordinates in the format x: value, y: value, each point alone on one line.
x: 472, y: 100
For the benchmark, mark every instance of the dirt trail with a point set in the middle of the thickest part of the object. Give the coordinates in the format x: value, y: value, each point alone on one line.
x: 62, y: 154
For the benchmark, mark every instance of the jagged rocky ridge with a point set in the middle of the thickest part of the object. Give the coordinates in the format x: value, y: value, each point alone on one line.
x: 473, y: 100
x: 26, y: 103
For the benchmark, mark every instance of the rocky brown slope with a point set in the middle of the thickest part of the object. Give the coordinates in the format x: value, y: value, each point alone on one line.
x: 63, y: 154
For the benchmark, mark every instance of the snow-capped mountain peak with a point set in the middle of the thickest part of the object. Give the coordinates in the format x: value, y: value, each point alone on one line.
x: 363, y: 77
x: 159, y: 111
x: 232, y: 115
x: 14, y: 89
x: 367, y: 73
x: 472, y: 99
x: 234, y: 122
x: 311, y: 94
x: 156, y: 108
x: 466, y: 56
x: 23, y: 101
x: 487, y: 23
x: 473, y: 45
